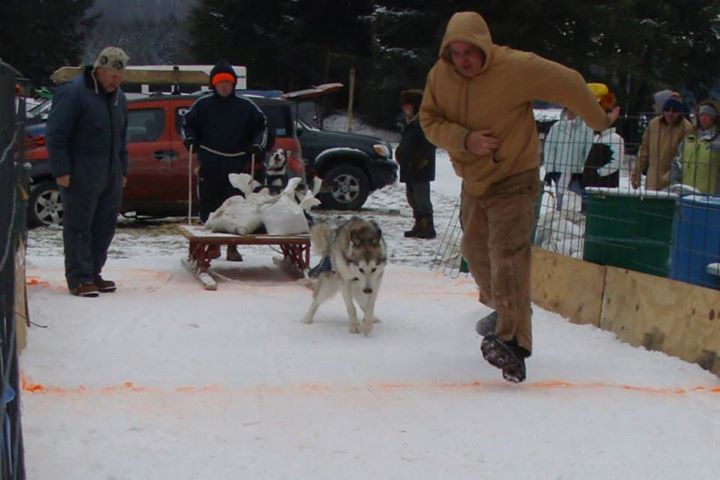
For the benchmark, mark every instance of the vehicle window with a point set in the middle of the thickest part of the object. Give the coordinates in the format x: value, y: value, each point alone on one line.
x: 145, y: 125
x: 279, y: 118
x: 39, y: 110
x: 308, y: 113
x: 299, y: 124
x: 179, y: 114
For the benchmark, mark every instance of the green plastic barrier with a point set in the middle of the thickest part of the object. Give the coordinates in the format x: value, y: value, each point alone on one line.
x: 630, y: 230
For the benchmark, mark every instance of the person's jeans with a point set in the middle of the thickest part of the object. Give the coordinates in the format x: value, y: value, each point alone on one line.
x: 496, y: 244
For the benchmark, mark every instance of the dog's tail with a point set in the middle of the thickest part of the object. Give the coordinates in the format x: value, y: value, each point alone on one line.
x: 320, y: 234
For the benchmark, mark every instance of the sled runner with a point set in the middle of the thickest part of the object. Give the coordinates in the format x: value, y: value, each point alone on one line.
x: 295, y: 248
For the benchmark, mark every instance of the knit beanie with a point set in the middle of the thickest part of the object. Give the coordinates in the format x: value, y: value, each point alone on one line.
x: 707, y: 110
x: 112, y: 57
x: 605, y: 98
x: 659, y: 98
x: 222, y: 72
x: 673, y: 103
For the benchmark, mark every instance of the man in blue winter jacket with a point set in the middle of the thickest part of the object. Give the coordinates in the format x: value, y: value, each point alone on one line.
x: 228, y: 132
x: 86, y: 139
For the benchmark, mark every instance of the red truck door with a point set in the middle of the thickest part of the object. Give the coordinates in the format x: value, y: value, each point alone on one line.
x: 180, y: 168
x: 150, y: 155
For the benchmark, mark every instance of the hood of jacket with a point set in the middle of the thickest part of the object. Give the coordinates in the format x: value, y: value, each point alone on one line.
x: 468, y: 27
x: 222, y: 67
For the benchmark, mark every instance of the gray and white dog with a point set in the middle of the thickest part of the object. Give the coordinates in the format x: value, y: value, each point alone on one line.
x: 276, y: 171
x: 354, y: 257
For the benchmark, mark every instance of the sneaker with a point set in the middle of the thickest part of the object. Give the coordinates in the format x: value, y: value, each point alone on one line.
x: 486, y: 325
x: 104, y: 286
x: 84, y: 290
x: 506, y: 356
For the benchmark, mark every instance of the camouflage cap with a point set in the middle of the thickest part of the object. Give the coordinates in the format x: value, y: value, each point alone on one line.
x: 112, y: 57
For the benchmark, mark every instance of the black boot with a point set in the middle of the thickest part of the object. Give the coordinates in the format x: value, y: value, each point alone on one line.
x: 414, y: 230
x: 507, y: 356
x: 427, y: 228
x: 486, y: 325
x: 104, y: 286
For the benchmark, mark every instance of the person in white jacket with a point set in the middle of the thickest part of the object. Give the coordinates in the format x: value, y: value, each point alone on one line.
x: 565, y: 150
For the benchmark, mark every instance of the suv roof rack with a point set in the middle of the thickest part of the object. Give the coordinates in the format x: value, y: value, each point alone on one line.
x: 143, y: 76
x: 149, y: 78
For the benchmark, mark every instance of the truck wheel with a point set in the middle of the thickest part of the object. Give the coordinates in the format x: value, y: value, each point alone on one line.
x: 45, y: 207
x: 344, y: 187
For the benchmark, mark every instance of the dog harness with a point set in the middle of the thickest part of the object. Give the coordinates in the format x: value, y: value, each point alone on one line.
x: 325, y: 265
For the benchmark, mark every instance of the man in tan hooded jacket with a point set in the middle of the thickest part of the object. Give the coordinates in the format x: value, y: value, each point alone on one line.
x: 478, y: 106
x: 659, y: 146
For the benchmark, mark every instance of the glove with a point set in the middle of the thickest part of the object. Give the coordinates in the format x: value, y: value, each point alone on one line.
x: 255, y: 149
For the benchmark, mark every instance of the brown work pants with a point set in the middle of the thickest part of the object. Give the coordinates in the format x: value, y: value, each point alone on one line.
x: 496, y: 244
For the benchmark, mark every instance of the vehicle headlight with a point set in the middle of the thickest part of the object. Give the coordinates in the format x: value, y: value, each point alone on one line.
x: 381, y: 149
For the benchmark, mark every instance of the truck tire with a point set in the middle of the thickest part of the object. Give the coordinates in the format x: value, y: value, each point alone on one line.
x: 345, y: 187
x: 45, y: 206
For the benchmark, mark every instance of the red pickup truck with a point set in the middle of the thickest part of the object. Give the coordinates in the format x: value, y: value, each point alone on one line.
x: 157, y: 182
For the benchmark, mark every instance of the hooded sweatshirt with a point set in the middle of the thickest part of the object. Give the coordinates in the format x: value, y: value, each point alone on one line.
x: 498, y: 99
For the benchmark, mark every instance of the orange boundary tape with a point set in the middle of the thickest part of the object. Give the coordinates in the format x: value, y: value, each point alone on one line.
x: 35, y: 388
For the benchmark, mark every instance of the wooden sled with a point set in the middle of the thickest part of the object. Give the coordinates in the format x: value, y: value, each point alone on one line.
x: 295, y: 248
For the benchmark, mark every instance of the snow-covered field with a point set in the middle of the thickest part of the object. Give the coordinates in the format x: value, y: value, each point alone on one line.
x: 163, y: 380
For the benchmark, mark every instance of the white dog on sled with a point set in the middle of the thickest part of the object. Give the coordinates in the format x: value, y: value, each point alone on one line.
x: 353, y: 261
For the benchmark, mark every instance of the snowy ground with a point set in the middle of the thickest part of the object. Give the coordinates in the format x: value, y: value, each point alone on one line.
x: 163, y: 380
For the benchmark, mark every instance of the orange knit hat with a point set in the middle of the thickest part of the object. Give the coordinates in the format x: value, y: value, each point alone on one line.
x: 605, y: 98
x: 607, y: 101
x: 222, y: 77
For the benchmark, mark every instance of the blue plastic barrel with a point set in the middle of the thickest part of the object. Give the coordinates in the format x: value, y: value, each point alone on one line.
x: 696, y: 231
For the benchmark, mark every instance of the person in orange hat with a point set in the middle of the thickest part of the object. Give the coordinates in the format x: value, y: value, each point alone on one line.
x: 226, y: 131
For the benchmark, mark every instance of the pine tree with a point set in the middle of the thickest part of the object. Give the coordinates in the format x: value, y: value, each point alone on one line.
x: 243, y: 32
x: 37, y: 36
x: 634, y: 46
